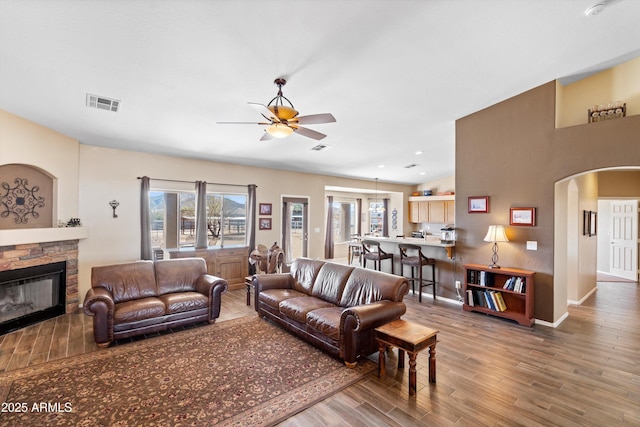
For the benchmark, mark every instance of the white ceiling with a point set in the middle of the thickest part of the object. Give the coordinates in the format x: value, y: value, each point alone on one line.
x: 396, y: 74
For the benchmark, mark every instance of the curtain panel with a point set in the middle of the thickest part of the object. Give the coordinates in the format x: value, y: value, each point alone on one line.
x: 145, y: 220
x: 328, y: 241
x: 201, y: 215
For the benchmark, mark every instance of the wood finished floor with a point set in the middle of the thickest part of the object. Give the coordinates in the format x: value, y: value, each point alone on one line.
x: 490, y: 371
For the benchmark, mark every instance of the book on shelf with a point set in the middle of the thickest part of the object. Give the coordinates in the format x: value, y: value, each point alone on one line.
x: 500, y: 302
x: 489, y: 299
x: 470, y: 298
x: 486, y: 278
x: 516, y: 284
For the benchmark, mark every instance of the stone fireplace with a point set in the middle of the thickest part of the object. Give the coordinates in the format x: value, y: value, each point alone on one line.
x: 19, y: 257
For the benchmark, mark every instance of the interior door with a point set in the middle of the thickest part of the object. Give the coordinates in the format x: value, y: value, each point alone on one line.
x: 624, y: 239
x: 295, y: 227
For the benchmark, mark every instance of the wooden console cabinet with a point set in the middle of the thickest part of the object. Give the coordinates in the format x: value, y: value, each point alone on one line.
x: 503, y: 292
x: 232, y: 264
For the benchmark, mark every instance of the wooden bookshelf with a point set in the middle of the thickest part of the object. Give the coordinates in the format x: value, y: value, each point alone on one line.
x: 515, y: 287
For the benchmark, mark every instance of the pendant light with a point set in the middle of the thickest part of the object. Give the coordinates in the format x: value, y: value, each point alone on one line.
x: 377, y: 208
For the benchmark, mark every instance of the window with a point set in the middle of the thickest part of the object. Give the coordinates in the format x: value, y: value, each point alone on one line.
x: 173, y: 219
x: 376, y: 215
x: 344, y: 221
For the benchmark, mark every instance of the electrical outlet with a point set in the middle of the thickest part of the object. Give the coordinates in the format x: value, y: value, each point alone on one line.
x: 457, y: 284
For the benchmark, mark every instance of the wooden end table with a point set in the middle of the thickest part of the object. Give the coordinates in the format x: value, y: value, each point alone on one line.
x: 412, y: 338
x: 248, y: 281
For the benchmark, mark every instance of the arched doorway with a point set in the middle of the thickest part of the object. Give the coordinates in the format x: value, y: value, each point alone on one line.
x: 575, y: 250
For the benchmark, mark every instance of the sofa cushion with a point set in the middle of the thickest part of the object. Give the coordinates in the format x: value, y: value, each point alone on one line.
x: 330, y: 282
x: 273, y: 297
x: 304, y: 272
x: 178, y: 275
x: 183, y: 301
x: 126, y: 282
x: 136, y: 310
x: 367, y: 286
x: 326, y: 321
x: 297, y: 308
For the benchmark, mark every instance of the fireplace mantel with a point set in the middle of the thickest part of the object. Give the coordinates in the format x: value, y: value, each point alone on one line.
x: 40, y: 235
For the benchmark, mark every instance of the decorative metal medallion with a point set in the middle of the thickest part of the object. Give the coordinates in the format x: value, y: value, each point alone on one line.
x: 20, y: 201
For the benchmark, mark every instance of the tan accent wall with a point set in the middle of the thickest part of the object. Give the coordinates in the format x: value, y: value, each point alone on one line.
x: 512, y: 153
x: 619, y: 183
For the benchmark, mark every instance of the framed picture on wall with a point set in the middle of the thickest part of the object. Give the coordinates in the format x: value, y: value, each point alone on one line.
x: 593, y: 223
x: 479, y: 204
x: 522, y: 216
x: 265, y: 223
x: 586, y: 222
x: 265, y: 208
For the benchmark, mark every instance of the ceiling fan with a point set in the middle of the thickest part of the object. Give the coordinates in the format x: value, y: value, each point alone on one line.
x: 283, y: 120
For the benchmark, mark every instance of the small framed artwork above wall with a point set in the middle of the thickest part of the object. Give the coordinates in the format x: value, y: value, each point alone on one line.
x: 522, y: 217
x: 265, y: 223
x: 478, y: 204
x: 589, y: 223
x: 265, y: 208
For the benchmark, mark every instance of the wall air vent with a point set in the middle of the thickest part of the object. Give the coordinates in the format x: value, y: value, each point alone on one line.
x: 413, y: 165
x: 102, y: 103
x: 320, y: 147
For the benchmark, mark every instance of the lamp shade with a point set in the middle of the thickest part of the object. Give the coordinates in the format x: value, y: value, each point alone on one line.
x: 278, y: 130
x: 496, y: 233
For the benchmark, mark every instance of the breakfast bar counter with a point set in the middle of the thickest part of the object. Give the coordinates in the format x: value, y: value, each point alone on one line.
x: 426, y: 242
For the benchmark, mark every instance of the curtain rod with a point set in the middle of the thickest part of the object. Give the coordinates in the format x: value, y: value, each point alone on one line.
x: 193, y: 182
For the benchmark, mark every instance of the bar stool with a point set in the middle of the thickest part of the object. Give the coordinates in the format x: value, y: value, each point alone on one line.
x: 412, y: 256
x: 355, y: 248
x: 376, y: 255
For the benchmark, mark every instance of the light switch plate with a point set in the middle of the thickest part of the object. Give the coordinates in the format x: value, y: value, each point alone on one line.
x: 532, y: 245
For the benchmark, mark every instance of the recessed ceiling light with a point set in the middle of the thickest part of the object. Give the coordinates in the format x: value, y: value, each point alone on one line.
x: 595, y: 9
x: 419, y: 152
x: 423, y: 173
x: 380, y: 166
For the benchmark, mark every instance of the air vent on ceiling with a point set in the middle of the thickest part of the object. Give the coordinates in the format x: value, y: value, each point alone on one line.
x: 320, y: 147
x: 103, y: 103
x: 413, y: 165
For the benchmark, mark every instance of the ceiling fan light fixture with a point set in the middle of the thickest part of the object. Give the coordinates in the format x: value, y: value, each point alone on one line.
x: 278, y: 130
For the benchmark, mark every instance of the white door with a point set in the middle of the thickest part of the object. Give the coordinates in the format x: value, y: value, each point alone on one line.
x: 624, y: 239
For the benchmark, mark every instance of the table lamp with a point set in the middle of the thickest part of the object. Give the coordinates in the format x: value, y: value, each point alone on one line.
x: 495, y: 234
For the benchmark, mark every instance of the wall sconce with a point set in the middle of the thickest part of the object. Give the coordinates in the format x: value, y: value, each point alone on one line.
x: 495, y: 234
x: 114, y: 204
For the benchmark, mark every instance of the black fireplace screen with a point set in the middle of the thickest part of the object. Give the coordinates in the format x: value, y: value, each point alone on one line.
x: 31, y: 295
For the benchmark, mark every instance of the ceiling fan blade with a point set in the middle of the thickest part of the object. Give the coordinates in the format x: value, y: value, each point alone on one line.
x: 308, y: 132
x: 243, y: 123
x: 262, y: 109
x: 314, y: 119
x: 266, y: 137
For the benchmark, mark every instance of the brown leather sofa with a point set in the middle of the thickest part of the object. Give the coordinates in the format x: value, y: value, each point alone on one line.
x: 332, y: 306
x: 144, y: 296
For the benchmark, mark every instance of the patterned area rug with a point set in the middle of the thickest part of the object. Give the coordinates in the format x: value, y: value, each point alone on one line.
x: 242, y: 372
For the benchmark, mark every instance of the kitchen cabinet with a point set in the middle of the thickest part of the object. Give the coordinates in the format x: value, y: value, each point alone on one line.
x: 437, y: 210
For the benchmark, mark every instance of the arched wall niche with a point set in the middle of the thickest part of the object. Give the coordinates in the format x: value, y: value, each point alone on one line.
x: 27, y: 197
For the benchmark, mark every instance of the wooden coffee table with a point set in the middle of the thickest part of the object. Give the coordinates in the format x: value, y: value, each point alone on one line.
x: 412, y: 338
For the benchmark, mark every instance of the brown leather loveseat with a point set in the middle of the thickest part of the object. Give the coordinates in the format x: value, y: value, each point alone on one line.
x: 332, y: 306
x: 144, y: 296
